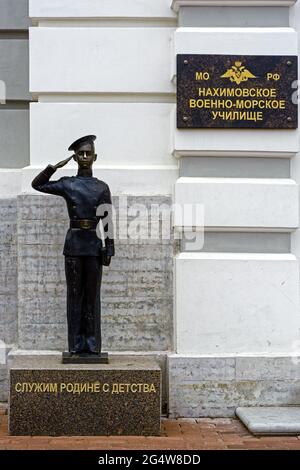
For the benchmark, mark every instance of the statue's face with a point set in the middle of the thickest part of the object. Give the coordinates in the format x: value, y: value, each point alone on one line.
x: 85, y: 156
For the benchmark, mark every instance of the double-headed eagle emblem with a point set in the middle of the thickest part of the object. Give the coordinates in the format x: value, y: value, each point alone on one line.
x: 238, y: 73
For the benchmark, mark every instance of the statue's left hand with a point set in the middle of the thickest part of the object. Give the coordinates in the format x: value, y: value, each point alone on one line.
x: 106, y: 260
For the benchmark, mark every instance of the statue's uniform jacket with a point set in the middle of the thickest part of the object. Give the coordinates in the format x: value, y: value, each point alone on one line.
x: 82, y: 250
x: 83, y: 195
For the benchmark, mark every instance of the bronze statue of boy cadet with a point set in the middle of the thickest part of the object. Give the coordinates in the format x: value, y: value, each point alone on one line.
x: 83, y: 250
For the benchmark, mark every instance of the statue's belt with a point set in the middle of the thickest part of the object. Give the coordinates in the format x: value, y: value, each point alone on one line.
x: 84, y: 224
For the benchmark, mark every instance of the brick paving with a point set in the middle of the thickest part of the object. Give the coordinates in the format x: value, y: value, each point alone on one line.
x: 177, y: 434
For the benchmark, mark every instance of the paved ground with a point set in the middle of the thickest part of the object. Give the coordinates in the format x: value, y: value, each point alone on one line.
x: 193, y: 434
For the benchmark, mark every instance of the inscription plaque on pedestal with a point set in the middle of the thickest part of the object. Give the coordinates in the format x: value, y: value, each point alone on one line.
x: 50, y: 398
x: 231, y: 91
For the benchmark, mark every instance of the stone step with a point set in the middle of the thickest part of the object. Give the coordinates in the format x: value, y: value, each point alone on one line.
x: 264, y: 420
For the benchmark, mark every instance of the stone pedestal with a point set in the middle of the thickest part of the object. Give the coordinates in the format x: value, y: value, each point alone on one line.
x: 51, y: 398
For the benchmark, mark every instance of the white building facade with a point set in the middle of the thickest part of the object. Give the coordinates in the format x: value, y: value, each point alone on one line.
x: 223, y: 320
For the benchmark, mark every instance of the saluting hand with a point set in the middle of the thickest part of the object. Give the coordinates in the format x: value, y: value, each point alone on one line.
x: 63, y: 162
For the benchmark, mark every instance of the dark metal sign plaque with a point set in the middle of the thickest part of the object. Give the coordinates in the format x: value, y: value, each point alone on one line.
x: 230, y: 91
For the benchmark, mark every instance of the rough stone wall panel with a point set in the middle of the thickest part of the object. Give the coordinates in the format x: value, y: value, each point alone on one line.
x: 215, y: 386
x: 136, y: 291
x: 3, y: 384
x: 8, y: 284
x: 8, y: 270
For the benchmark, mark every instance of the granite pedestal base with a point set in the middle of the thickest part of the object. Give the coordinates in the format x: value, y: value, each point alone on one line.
x: 51, y: 398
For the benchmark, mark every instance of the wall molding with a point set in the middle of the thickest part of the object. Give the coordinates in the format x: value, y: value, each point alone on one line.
x: 177, y: 4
